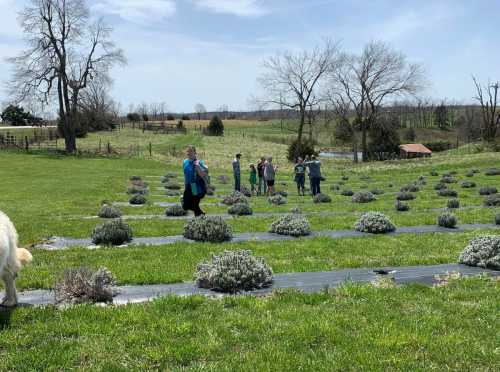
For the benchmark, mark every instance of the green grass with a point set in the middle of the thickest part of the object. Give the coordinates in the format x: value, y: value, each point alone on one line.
x: 350, y: 328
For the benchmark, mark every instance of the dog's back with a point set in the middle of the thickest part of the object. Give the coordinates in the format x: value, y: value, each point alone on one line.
x: 8, y: 246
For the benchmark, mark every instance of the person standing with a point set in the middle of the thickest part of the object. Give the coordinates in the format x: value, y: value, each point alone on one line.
x: 195, y: 173
x: 260, y: 173
x: 269, y: 175
x: 253, y: 178
x: 300, y: 176
x: 315, y: 173
x: 237, y: 172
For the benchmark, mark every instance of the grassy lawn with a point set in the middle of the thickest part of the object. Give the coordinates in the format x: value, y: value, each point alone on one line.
x: 351, y: 328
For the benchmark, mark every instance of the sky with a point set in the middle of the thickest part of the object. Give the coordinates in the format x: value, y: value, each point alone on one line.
x: 182, y: 52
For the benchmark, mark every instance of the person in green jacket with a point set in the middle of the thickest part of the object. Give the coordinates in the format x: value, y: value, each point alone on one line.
x: 253, y: 178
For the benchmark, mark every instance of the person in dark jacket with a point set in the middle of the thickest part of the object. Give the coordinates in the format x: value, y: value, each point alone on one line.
x: 315, y: 174
x: 261, y: 190
x: 195, y: 173
x: 237, y: 172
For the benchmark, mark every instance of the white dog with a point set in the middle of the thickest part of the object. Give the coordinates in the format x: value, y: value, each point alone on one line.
x: 11, y: 259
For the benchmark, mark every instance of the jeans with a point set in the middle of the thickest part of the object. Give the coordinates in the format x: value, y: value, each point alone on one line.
x: 315, y: 185
x: 237, y: 182
x: 300, y: 179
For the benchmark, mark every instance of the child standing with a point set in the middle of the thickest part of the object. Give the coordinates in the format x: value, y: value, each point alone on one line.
x: 253, y: 178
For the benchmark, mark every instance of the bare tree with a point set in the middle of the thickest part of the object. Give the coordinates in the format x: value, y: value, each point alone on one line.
x: 292, y: 79
x: 97, y: 110
x: 371, y: 79
x: 200, y: 110
x: 66, y: 50
x: 488, y: 98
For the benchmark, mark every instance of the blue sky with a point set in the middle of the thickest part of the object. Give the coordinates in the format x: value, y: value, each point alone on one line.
x: 186, y: 51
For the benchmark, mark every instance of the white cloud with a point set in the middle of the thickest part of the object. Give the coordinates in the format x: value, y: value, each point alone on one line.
x: 137, y: 11
x: 241, y: 8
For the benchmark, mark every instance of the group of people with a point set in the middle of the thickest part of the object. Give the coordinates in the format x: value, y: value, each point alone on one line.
x: 262, y: 177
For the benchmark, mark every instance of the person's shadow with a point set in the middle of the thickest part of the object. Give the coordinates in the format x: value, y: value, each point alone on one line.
x: 6, y: 315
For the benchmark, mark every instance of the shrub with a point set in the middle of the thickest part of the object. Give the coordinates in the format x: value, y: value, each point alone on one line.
x: 185, y: 117
x: 497, y: 219
x: 234, y: 271
x: 345, y: 178
x: 438, y: 146
x: 440, y: 186
x: 283, y: 193
x: 246, y: 191
x: 453, y: 204
x: 235, y: 197
x: 468, y: 184
x: 172, y: 186
x: 377, y: 191
x: 108, y: 211
x: 483, y: 251
x: 77, y: 286
x: 492, y: 200
x: 137, y: 190
x: 291, y: 224
x: 277, y: 199
x: 363, y: 197
x: 448, y: 193
x: 137, y: 199
x: 139, y: 183
x: 296, y: 210
x: 215, y: 127
x: 322, y: 198
x: 210, y: 190
x: 135, y: 178
x: 402, y: 207
x: 405, y: 196
x: 447, y: 220
x: 469, y: 174
x: 175, y: 211
x: 347, y: 192
x: 448, y: 179
x: 300, y: 150
x: 488, y: 190
x: 434, y: 173
x: 343, y: 131
x: 410, y: 188
x: 492, y: 172
x: 208, y: 229
x: 114, y: 232
x: 172, y: 193
x: 240, y: 209
x: 374, y: 223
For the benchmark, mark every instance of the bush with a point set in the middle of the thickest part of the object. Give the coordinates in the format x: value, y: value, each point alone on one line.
x: 173, y: 193
x: 492, y: 172
x: 468, y: 184
x: 302, y: 149
x: 185, y: 117
x: 170, y: 117
x: 240, y: 209
x: 235, y: 197
x: 448, y: 193
x: 208, y: 229
x: 322, y: 198
x: 135, y: 178
x: 384, y: 137
x: 374, y: 223
x: 277, y: 199
x: 447, y: 220
x: 453, y: 204
x: 345, y: 178
x: 377, y: 191
x: 492, y: 200
x: 410, y: 188
x: 283, y: 193
x: 343, y: 131
x: 489, y: 190
x: 438, y: 146
x: 363, y: 197
x: 347, y: 192
x: 296, y: 210
x: 246, y: 191
x: 172, y: 186
x: 234, y: 271
x: 137, y: 199
x: 114, y: 232
x: 108, y: 211
x: 469, y: 174
x: 434, y: 173
x: 440, y: 186
x: 291, y: 224
x: 405, y: 196
x: 215, y: 127
x: 137, y: 190
x: 483, y: 251
x: 448, y: 179
x: 78, y: 286
x: 402, y: 207
x: 175, y: 211
x: 497, y: 219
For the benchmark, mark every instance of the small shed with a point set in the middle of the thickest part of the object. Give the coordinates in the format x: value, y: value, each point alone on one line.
x: 413, y: 150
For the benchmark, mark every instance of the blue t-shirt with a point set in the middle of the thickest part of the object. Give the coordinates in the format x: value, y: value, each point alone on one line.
x: 189, y: 171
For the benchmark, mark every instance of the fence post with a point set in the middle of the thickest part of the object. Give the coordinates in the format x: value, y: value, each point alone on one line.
x: 26, y: 143
x: 100, y: 145
x: 150, y: 150
x: 109, y: 148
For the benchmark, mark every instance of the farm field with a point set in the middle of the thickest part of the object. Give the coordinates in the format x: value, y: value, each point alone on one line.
x: 50, y: 195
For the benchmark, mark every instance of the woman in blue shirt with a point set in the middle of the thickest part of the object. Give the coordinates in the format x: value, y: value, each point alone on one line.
x: 195, y: 174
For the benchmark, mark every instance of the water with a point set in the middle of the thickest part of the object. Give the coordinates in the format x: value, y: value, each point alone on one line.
x: 340, y: 155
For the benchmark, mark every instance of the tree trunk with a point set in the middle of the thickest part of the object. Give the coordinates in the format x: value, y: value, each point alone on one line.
x: 301, y: 125
x: 363, y: 140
